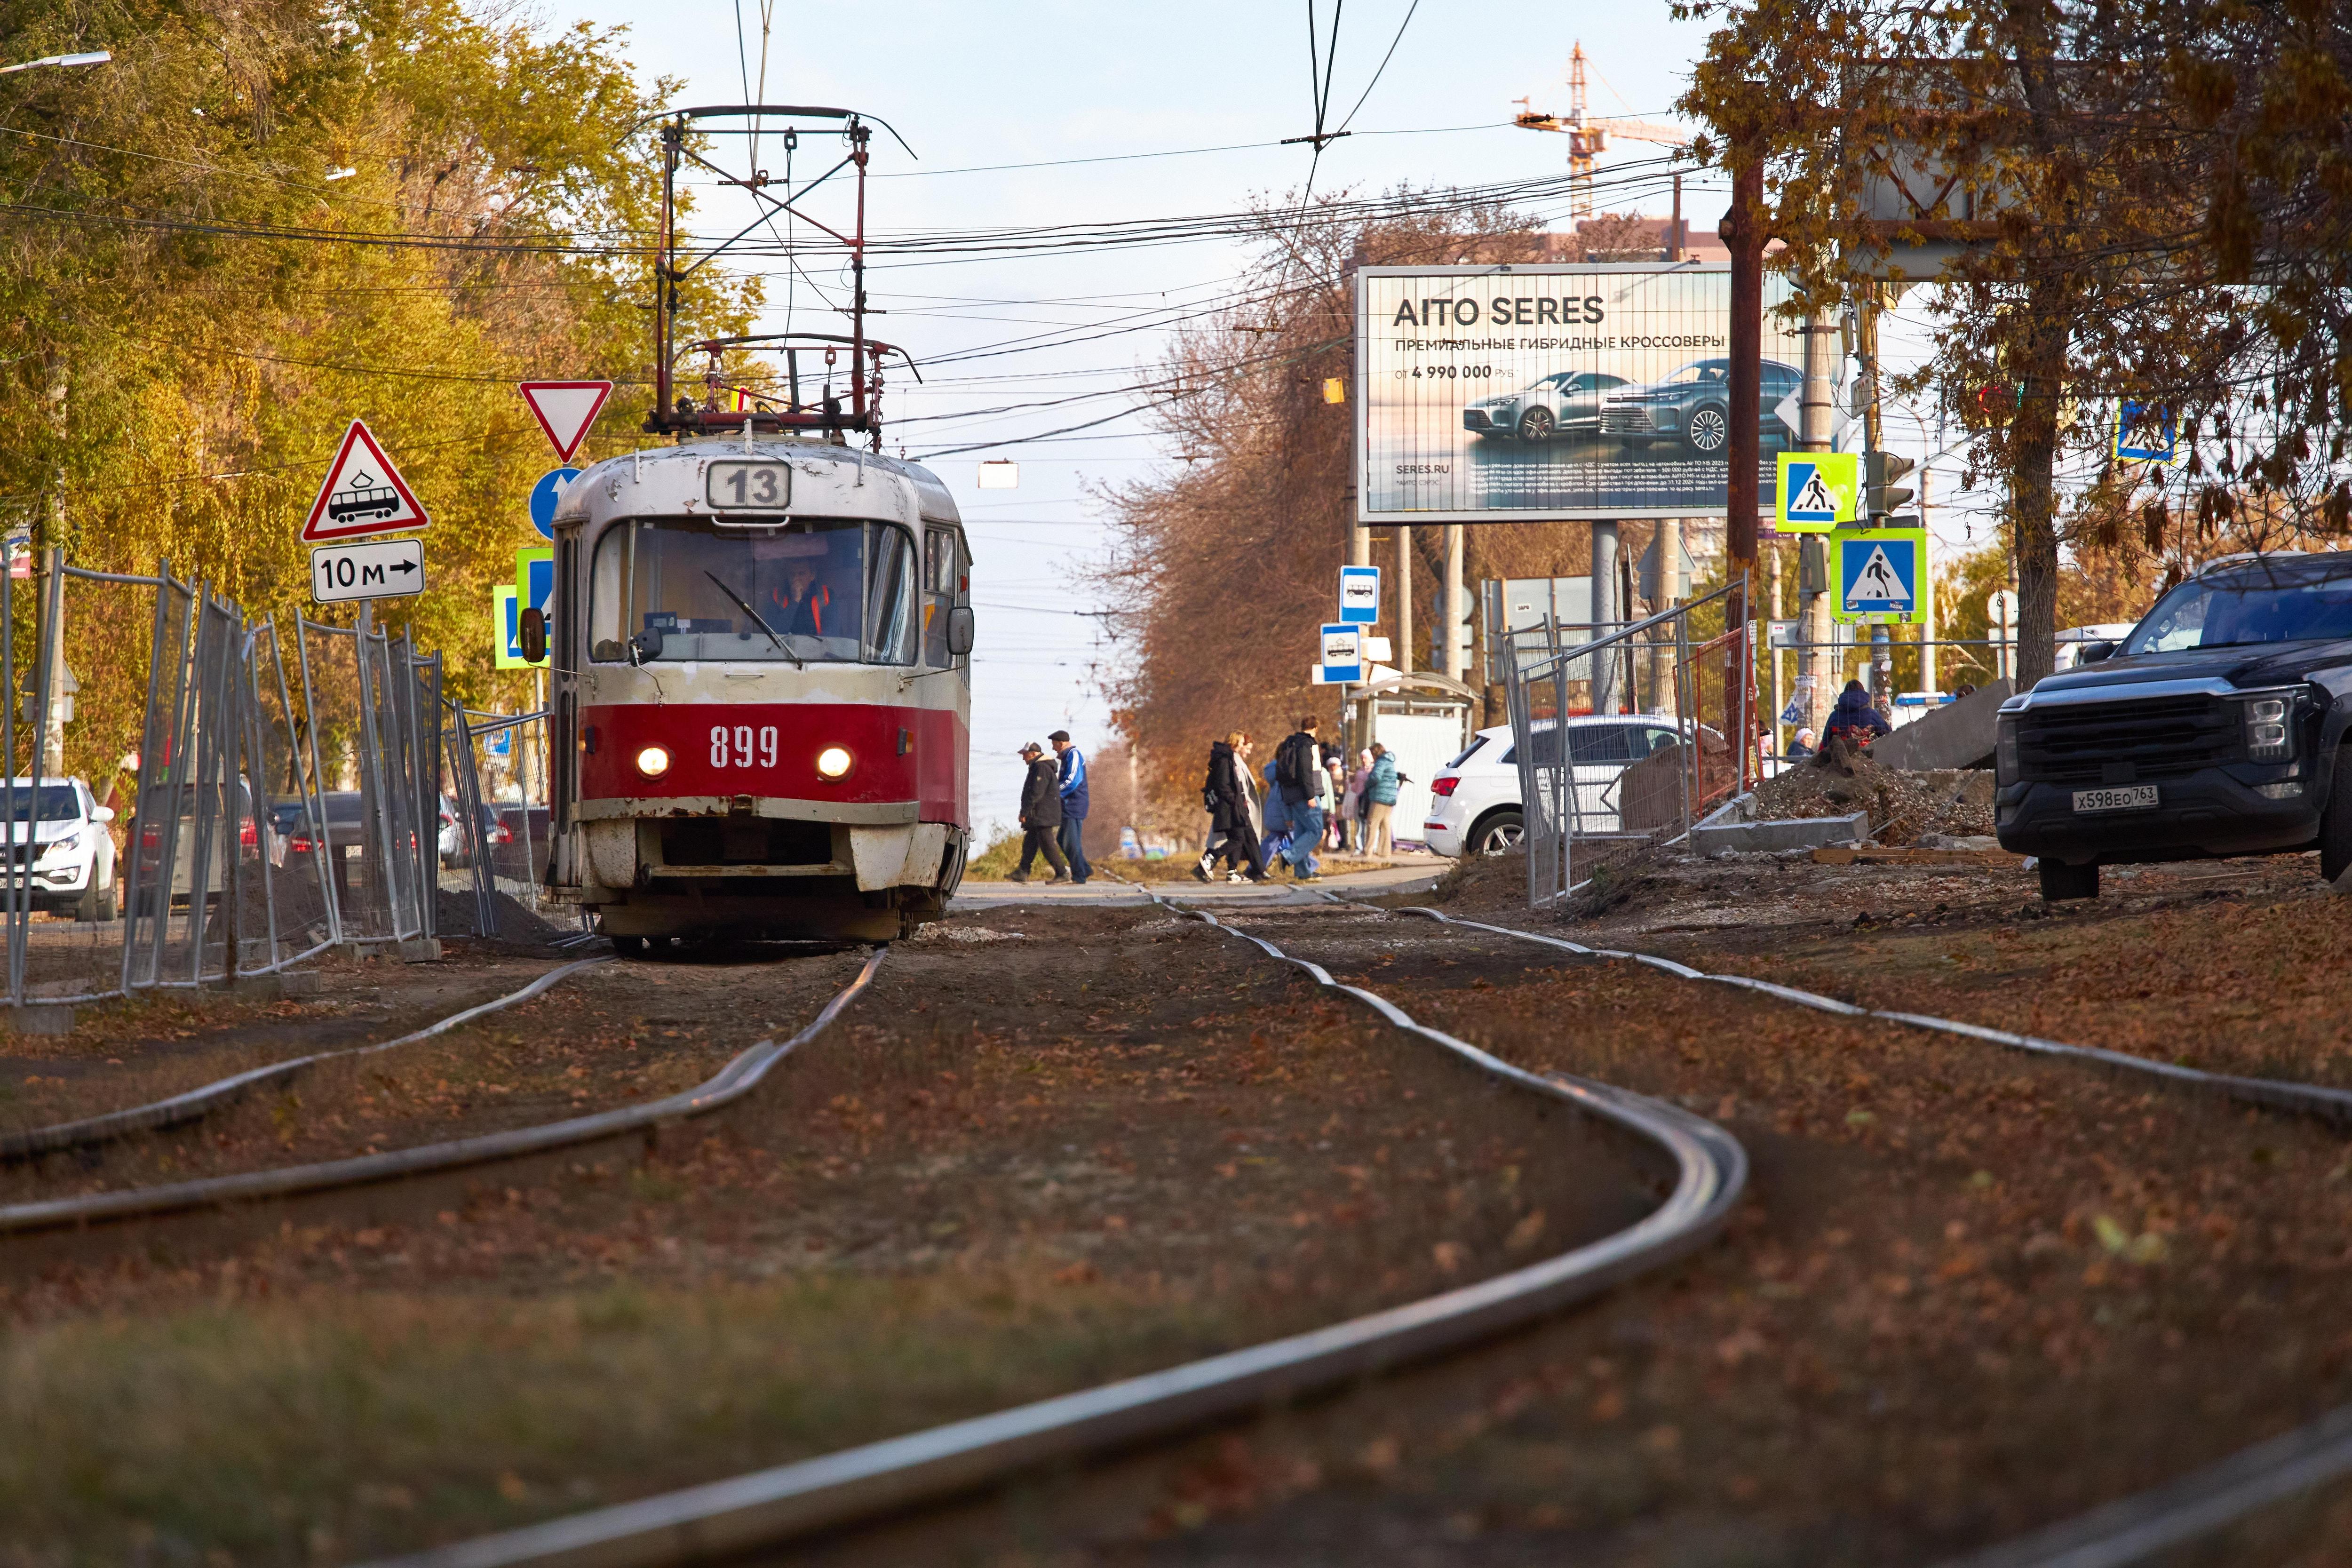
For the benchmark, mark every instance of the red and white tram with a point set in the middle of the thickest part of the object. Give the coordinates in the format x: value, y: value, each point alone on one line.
x: 761, y: 692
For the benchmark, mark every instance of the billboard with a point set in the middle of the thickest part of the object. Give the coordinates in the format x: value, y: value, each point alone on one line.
x: 1500, y: 394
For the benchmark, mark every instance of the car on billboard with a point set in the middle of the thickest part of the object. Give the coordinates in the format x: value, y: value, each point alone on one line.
x: 1693, y: 406
x: 1568, y: 402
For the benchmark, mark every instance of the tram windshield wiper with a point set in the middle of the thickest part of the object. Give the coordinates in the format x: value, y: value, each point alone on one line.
x: 741, y: 604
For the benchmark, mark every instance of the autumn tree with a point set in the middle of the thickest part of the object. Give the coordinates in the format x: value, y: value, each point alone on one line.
x: 2066, y: 150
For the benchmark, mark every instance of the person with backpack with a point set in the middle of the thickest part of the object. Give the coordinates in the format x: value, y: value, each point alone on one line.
x: 1299, y: 776
x: 1226, y: 796
x: 1381, y: 789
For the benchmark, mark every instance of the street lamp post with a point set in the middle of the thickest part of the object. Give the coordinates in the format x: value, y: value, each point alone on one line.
x: 94, y: 58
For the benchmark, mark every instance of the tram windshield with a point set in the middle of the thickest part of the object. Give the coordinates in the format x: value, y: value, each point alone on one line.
x: 674, y: 589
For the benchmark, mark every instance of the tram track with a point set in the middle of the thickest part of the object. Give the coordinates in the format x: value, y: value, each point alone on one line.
x: 769, y: 1506
x: 2141, y: 1527
x: 177, y: 1110
x: 2318, y: 1101
x: 739, y: 1075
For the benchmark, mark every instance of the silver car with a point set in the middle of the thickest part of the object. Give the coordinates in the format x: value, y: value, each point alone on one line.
x: 1568, y: 402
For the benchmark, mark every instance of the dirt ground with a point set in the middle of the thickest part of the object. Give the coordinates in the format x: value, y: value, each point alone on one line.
x: 1971, y: 1293
x: 986, y: 1185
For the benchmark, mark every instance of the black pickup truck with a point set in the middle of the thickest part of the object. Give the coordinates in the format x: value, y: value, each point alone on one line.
x: 2218, y: 727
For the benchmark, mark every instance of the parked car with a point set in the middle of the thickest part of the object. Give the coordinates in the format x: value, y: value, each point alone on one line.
x: 1475, y: 807
x: 1568, y: 402
x: 59, y: 831
x: 492, y: 831
x: 1693, y: 406
x: 2217, y: 728
x: 234, y: 824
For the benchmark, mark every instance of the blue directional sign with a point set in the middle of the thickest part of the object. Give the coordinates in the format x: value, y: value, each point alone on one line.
x: 499, y: 743
x: 1360, y: 595
x: 546, y: 495
x: 1341, y: 659
x: 2144, y: 432
x: 1880, y: 574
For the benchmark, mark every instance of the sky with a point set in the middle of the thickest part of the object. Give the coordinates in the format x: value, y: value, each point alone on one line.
x: 1143, y: 92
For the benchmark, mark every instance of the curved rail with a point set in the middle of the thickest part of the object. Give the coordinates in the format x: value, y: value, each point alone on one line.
x: 766, y: 1506
x: 730, y: 1083
x: 2278, y: 1094
x: 93, y: 1131
x: 2133, y: 1529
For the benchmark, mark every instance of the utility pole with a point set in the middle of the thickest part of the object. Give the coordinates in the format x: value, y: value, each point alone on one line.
x: 1744, y: 229
x: 1927, y: 587
x: 1450, y: 622
x: 1882, y: 653
x: 1404, y: 599
x: 1817, y: 666
x: 1604, y: 615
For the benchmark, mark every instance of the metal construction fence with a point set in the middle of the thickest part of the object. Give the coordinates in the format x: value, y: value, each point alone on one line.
x: 289, y: 792
x: 1628, y: 732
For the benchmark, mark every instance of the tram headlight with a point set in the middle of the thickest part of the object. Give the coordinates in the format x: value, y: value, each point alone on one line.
x: 652, y: 762
x: 834, y: 763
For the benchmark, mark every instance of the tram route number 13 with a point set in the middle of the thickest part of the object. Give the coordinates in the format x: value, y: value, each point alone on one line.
x: 731, y: 747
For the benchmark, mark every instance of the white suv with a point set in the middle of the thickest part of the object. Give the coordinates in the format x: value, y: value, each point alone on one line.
x: 1475, y: 807
x: 61, y: 830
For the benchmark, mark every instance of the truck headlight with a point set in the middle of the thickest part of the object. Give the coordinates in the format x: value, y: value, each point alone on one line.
x: 2004, y: 753
x: 2269, y: 719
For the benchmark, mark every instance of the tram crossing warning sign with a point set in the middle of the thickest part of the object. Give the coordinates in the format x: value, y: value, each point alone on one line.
x: 1818, y: 490
x: 363, y: 494
x: 565, y: 409
x: 1882, y: 574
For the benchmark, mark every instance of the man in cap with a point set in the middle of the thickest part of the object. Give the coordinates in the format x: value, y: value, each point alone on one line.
x: 1072, y: 781
x: 1041, y: 815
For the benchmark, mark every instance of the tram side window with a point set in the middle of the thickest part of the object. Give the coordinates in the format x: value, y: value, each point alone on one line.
x: 890, y: 595
x: 938, y: 594
x: 676, y: 589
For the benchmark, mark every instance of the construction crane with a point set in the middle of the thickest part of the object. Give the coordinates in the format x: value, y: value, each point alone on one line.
x: 1587, y: 137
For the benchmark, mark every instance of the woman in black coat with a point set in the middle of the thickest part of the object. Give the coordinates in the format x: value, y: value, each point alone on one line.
x: 1233, y: 828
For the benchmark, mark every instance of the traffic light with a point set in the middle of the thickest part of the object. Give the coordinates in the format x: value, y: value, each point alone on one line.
x: 1880, y: 470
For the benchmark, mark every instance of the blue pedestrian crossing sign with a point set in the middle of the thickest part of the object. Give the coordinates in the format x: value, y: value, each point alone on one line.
x: 1818, y: 490
x: 1882, y: 574
x: 2144, y: 432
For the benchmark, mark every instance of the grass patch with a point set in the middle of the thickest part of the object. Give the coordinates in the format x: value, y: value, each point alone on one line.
x: 286, y: 1431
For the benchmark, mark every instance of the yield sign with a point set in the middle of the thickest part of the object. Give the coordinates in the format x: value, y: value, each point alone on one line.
x: 565, y: 409
x: 363, y: 494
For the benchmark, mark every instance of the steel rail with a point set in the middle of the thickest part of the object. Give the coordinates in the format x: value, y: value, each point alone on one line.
x: 730, y: 1083
x: 2138, y: 1528
x: 725, y: 1518
x: 94, y: 1131
x: 2278, y: 1094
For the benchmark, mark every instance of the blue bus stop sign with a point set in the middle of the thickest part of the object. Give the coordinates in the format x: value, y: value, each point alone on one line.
x: 546, y: 495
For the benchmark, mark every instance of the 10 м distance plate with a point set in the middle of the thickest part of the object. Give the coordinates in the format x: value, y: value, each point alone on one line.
x: 375, y: 569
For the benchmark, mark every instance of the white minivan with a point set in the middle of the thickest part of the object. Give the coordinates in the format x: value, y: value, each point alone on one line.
x: 1475, y: 807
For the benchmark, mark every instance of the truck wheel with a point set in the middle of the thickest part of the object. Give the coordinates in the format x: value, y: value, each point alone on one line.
x: 2061, y: 882
x: 2336, y: 822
